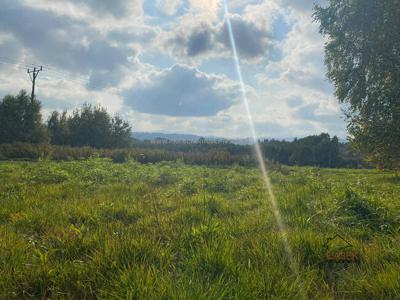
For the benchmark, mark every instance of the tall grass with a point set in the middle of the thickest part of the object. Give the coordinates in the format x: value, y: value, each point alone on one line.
x: 96, y: 229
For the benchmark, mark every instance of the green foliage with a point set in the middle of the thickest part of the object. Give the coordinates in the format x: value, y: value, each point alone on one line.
x: 147, y: 153
x: 77, y: 136
x: 121, y: 156
x: 20, y: 120
x: 364, y: 212
x: 319, y: 150
x: 89, y: 126
x: 58, y: 128
x: 363, y: 59
x: 95, y: 229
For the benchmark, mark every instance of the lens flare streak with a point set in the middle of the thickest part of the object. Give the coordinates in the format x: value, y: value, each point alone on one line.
x: 260, y: 157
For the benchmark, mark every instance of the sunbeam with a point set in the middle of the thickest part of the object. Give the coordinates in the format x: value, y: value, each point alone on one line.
x: 260, y: 157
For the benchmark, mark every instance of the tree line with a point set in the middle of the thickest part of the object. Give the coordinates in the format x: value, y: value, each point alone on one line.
x: 21, y: 127
x: 21, y: 121
x: 317, y: 150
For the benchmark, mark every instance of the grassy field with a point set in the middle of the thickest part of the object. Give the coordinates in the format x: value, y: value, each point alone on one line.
x: 94, y: 229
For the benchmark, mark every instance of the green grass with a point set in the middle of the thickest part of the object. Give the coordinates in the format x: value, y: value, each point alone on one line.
x: 94, y: 229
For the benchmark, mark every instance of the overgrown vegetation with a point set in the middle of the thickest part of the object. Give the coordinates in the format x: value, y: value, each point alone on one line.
x: 97, y: 229
x: 92, y: 127
x: 211, y: 154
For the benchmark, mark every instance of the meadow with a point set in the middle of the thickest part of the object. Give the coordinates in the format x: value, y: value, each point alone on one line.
x: 95, y: 229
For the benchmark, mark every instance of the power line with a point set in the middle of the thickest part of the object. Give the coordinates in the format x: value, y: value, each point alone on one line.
x: 54, y: 72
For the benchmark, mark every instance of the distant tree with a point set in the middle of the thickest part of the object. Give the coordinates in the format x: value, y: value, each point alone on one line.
x: 316, y: 150
x: 362, y: 54
x: 20, y: 120
x: 302, y: 155
x: 121, y: 133
x: 89, y: 126
x: 58, y: 128
x: 334, y: 158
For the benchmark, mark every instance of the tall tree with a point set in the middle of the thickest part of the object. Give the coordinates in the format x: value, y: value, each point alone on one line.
x: 20, y: 120
x: 121, y: 133
x: 89, y: 126
x: 58, y: 128
x: 362, y: 54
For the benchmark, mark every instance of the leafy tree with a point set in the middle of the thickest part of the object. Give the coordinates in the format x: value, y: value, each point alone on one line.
x: 89, y: 126
x: 58, y: 128
x: 316, y: 150
x: 302, y: 156
x: 362, y: 54
x: 20, y: 120
x: 121, y: 133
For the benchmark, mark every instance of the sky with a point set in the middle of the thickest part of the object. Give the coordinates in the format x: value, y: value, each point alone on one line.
x: 166, y: 65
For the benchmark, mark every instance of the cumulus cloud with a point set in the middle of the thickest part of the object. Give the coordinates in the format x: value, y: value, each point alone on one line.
x: 205, y: 6
x: 119, y: 45
x: 10, y: 51
x: 183, y: 91
x: 294, y: 101
x: 117, y: 8
x: 302, y: 6
x: 324, y: 120
x: 192, y: 40
x: 64, y: 42
x: 251, y: 41
x: 169, y: 7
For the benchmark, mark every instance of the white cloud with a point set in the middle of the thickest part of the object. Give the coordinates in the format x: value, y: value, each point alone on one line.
x: 183, y: 91
x: 205, y: 6
x: 92, y: 47
x: 304, y: 7
x: 169, y: 7
x: 200, y: 40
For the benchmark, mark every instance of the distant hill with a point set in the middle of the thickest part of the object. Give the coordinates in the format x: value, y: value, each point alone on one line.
x: 177, y: 137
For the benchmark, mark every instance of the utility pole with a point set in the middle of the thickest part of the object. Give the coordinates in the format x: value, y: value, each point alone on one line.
x: 35, y: 72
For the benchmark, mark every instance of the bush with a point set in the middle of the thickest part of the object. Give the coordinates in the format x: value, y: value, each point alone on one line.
x: 121, y: 156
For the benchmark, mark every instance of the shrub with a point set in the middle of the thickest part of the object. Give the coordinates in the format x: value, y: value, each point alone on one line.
x: 121, y: 156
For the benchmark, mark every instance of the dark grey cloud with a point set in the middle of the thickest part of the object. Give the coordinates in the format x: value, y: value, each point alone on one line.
x: 117, y: 8
x: 193, y: 41
x: 252, y: 42
x: 63, y: 42
x: 183, y: 91
x: 198, y: 42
